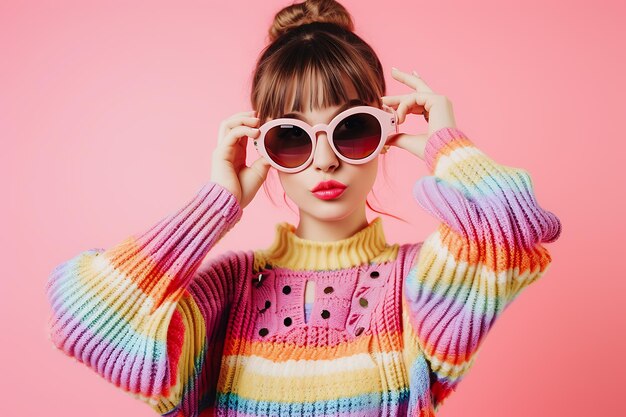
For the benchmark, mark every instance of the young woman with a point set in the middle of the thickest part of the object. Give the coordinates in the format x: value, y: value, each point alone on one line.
x: 331, y: 319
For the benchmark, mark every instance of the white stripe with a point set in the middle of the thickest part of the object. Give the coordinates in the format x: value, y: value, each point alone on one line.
x: 315, y: 367
x: 456, y: 156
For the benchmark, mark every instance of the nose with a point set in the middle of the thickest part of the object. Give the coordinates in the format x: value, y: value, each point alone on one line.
x: 324, y: 157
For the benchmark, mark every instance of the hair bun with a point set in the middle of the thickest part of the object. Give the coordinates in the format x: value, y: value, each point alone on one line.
x: 309, y: 11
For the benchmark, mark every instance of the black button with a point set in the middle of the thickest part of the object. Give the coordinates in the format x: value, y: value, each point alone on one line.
x: 359, y: 331
x: 328, y: 290
x: 325, y: 314
x: 286, y: 289
x: 287, y: 321
x: 268, y: 304
x: 374, y: 274
x: 363, y: 302
x: 263, y: 332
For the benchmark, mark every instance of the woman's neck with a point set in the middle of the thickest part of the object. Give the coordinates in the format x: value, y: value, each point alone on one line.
x: 315, y: 229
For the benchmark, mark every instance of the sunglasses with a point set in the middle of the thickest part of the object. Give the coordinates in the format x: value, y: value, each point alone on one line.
x: 356, y: 135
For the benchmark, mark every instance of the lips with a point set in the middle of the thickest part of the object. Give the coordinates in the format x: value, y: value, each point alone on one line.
x: 328, y: 185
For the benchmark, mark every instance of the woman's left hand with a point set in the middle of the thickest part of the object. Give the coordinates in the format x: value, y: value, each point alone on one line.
x: 436, y: 108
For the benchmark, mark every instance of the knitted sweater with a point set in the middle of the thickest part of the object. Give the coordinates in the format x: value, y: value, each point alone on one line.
x: 393, y: 328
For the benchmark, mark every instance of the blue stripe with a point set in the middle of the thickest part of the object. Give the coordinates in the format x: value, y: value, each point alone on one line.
x: 376, y: 400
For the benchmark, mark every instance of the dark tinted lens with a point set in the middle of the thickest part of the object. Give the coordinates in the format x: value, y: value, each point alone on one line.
x: 288, y: 145
x: 357, y: 136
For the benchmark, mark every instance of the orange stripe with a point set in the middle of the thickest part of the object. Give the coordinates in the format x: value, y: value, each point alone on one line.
x: 489, y: 253
x: 448, y: 148
x: 243, y: 347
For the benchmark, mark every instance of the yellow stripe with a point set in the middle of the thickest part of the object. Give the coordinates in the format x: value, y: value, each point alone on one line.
x: 299, y: 381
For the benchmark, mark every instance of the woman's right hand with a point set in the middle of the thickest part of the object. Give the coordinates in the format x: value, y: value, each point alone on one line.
x: 228, y: 167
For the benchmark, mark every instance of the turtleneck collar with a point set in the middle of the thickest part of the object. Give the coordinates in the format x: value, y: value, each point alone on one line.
x: 293, y: 252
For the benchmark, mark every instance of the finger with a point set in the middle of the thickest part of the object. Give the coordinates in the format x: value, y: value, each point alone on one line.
x: 255, y: 174
x: 252, y: 177
x: 391, y: 105
x: 401, y: 111
x: 409, y: 108
x: 417, y: 103
x: 422, y: 86
x: 412, y: 143
x: 413, y: 109
x: 236, y: 134
x: 413, y: 81
x: 397, y: 99
x: 393, y: 100
x: 235, y: 121
x: 233, y: 146
x: 242, y: 120
x: 238, y: 116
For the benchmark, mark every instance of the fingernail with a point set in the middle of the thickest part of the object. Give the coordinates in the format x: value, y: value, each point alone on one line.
x: 415, y: 73
x: 394, y: 68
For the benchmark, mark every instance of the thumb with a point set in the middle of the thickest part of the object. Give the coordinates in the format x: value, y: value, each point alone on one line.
x: 412, y: 143
x: 252, y: 177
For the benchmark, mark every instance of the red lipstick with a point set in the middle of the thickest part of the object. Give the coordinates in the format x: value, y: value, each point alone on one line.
x: 328, y: 190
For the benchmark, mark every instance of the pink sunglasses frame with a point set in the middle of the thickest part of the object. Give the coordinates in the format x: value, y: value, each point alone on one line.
x: 388, y: 120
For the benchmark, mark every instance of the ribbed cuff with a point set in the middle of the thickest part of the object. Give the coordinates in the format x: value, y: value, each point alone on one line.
x: 442, y: 142
x: 228, y: 204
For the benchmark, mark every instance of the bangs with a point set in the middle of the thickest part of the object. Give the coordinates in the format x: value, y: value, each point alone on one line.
x: 313, y: 76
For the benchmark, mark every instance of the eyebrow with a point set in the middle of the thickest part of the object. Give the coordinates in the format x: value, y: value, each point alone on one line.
x: 352, y: 103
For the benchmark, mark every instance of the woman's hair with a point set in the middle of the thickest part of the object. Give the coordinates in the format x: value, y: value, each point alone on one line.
x: 312, y: 47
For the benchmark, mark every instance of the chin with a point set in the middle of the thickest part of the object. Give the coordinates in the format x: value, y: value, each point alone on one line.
x: 330, y: 209
x: 327, y: 216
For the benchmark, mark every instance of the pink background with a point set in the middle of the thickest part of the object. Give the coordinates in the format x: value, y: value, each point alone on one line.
x: 109, y: 114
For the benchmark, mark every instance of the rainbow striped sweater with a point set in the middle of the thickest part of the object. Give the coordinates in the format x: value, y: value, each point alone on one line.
x: 393, y: 328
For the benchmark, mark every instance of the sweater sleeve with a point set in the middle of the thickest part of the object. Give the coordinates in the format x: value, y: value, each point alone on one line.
x: 126, y: 312
x: 486, y: 249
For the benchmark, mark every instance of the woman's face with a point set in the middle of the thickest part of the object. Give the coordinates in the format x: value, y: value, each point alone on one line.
x: 359, y: 179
